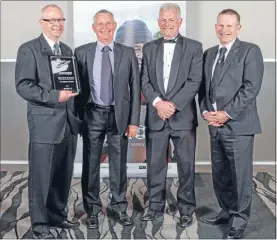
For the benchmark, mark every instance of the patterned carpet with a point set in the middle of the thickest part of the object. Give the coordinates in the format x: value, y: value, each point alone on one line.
x: 15, y: 221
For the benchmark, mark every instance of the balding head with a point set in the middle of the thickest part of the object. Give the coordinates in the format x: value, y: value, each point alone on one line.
x: 52, y: 21
x: 48, y: 8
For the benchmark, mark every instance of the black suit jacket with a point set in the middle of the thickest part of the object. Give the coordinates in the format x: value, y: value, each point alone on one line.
x: 46, y: 116
x: 126, y: 83
x: 240, y: 83
x: 184, y: 81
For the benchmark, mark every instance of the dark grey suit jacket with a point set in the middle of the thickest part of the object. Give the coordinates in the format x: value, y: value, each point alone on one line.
x: 184, y: 82
x: 46, y: 116
x: 240, y: 83
x: 126, y: 83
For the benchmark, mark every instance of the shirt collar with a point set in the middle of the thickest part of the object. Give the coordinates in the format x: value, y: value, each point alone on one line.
x: 100, y: 45
x: 175, y: 38
x: 228, y: 46
x: 50, y: 41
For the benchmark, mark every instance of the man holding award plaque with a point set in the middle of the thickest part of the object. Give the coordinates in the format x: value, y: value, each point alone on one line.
x: 109, y: 105
x: 45, y: 76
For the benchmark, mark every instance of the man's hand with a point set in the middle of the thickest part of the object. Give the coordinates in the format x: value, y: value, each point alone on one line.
x: 210, y: 116
x: 165, y: 109
x: 65, y: 95
x: 216, y: 119
x: 215, y: 124
x: 161, y: 115
x: 131, y: 131
x: 222, y: 117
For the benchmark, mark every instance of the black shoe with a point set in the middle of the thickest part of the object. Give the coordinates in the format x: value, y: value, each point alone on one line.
x: 67, y: 224
x: 185, y: 221
x: 152, y: 215
x: 92, y: 221
x: 43, y: 235
x: 235, y: 233
x: 215, y: 220
x: 120, y: 217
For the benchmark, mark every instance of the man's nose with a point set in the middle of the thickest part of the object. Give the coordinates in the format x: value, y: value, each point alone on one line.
x: 166, y: 23
x: 56, y: 23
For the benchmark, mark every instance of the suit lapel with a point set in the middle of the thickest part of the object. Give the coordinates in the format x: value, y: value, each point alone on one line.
x: 45, y: 48
x: 65, y: 51
x: 46, y: 52
x: 159, y: 65
x: 231, y: 55
x: 210, y: 62
x: 117, y: 57
x: 176, y: 60
x: 90, y: 60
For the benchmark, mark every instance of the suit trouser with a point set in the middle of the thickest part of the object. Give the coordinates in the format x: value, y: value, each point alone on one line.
x: 50, y: 174
x: 100, y: 121
x: 157, y: 164
x: 232, y: 171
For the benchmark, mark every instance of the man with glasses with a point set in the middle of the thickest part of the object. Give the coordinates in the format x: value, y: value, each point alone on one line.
x: 52, y: 124
x: 171, y: 76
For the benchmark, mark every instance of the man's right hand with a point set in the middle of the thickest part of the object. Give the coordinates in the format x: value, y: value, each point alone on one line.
x: 211, y: 118
x: 65, y: 95
x: 165, y: 109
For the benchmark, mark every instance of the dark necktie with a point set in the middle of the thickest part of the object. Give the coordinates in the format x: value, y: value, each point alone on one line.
x: 169, y: 41
x: 56, y: 49
x: 174, y: 40
x: 106, y: 94
x: 217, y: 72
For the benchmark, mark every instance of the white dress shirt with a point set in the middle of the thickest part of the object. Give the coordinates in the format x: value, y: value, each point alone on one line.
x: 51, y: 42
x: 167, y: 60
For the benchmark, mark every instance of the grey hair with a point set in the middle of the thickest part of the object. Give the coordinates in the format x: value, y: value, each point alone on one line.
x: 50, y: 6
x: 102, y: 11
x: 170, y: 6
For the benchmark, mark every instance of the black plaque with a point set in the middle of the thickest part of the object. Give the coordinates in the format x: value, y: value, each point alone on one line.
x: 64, y: 73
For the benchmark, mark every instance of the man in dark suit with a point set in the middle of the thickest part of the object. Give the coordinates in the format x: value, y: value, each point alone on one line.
x: 171, y: 76
x: 52, y: 126
x: 109, y: 105
x: 233, y: 72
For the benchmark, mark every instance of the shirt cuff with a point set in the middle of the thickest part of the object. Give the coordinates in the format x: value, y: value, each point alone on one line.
x: 204, y: 113
x: 157, y: 99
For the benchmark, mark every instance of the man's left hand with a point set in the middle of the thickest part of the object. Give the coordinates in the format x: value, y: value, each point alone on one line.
x: 222, y: 117
x: 131, y: 131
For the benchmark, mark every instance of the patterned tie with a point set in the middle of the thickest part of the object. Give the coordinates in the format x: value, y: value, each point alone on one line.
x: 216, y: 76
x: 56, y: 49
x: 106, y: 94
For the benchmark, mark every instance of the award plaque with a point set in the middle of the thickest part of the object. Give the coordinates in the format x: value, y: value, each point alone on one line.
x: 64, y: 73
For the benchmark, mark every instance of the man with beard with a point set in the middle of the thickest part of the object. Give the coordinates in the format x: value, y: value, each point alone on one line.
x: 171, y: 76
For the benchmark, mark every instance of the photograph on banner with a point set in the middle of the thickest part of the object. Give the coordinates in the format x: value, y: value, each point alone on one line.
x: 136, y: 25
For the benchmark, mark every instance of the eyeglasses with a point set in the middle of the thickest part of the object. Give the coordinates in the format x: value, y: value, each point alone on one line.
x: 53, y: 20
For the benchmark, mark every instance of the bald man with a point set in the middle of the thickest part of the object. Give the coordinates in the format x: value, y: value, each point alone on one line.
x: 52, y: 124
